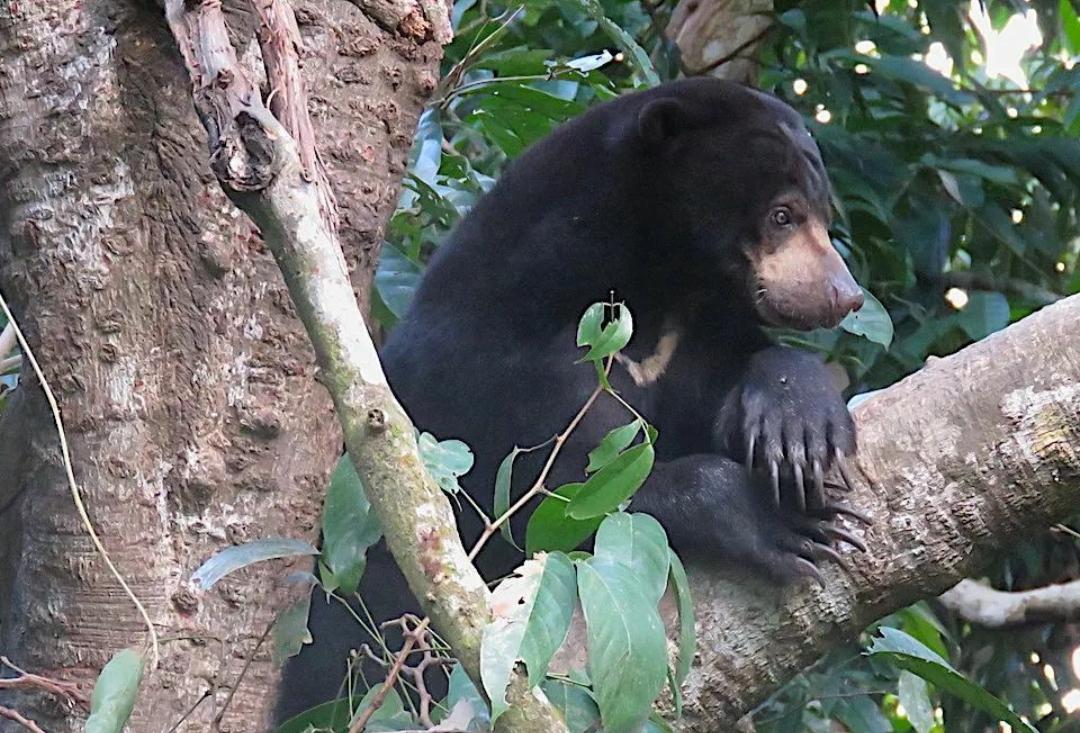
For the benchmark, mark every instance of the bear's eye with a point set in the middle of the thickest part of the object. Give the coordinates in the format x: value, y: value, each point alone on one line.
x: 780, y: 216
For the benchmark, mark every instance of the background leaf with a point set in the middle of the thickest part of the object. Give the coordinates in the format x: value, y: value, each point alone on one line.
x: 236, y: 557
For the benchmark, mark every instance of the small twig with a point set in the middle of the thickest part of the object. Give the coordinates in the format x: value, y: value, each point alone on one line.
x: 1066, y: 530
x: 240, y: 677
x: 27, y: 680
x: 538, y: 485
x: 417, y: 672
x: 76, y: 494
x: 20, y: 719
x: 207, y: 694
x: 391, y: 677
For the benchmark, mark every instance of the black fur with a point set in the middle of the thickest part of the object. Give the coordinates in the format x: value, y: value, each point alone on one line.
x: 657, y: 197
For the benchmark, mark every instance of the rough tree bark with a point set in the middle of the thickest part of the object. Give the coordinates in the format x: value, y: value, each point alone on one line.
x: 720, y: 37
x: 268, y: 163
x: 185, y: 380
x: 955, y: 463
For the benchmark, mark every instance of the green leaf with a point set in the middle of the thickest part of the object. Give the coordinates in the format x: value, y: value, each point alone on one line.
x: 575, y: 703
x: 908, y: 654
x: 518, y: 61
x: 984, y: 313
x: 329, y: 716
x: 994, y: 219
x: 390, y: 716
x: 946, y: 23
x: 462, y: 689
x: 1070, y: 26
x: 290, y: 631
x: 861, y: 713
x: 236, y: 557
x: 1000, y: 174
x: 627, y: 646
x: 639, y: 58
x: 915, y: 697
x: 640, y: 543
x: 445, y: 460
x: 550, y: 617
x: 591, y: 324
x: 504, y: 478
x: 871, y: 321
x: 613, y: 484
x: 396, y: 279
x: 1071, y: 116
x: 349, y: 528
x: 687, y: 632
x: 531, y: 615
x: 614, y: 443
x: 902, y: 68
x: 550, y: 529
x: 114, y: 693
x: 604, y: 338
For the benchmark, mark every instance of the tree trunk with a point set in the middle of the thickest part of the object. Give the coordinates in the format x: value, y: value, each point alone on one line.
x: 720, y: 37
x: 185, y: 380
x: 956, y: 463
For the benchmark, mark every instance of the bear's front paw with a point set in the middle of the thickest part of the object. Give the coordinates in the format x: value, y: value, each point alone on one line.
x: 787, y: 420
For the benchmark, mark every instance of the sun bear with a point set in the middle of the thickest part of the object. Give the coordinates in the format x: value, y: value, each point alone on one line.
x: 705, y: 207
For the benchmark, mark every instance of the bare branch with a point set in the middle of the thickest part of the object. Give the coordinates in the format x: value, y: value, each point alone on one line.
x: 982, y: 605
x: 20, y: 719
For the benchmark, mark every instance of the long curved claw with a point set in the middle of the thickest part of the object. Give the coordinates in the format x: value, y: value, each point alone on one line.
x: 814, y: 531
x: 751, y: 444
x: 824, y: 551
x: 834, y: 486
x: 819, y: 483
x: 800, y: 489
x: 845, y: 536
x: 835, y: 508
x: 807, y: 569
x: 774, y: 480
x: 841, y: 466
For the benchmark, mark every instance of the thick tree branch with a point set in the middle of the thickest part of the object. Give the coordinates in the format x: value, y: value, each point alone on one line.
x: 265, y: 171
x: 956, y: 463
x: 982, y: 605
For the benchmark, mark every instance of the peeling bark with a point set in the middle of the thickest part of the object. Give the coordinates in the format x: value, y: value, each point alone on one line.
x: 955, y: 464
x: 185, y: 380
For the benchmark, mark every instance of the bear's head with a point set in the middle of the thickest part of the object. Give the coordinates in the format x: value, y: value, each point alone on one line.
x: 741, y: 182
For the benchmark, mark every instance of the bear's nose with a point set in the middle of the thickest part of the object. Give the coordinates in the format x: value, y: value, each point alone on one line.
x: 846, y: 297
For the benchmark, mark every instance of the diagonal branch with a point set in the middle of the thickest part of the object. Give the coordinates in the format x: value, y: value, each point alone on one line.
x: 957, y: 462
x: 267, y: 173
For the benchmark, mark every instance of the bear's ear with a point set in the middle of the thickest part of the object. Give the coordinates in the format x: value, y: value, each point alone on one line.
x: 661, y: 119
